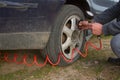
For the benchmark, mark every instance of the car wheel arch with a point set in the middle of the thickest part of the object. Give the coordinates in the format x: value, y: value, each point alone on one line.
x: 82, y: 4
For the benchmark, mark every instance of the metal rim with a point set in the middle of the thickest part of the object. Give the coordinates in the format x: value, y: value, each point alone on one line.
x: 71, y: 36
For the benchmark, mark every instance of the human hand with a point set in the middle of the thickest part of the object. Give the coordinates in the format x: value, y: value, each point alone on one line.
x: 96, y: 28
x: 83, y: 25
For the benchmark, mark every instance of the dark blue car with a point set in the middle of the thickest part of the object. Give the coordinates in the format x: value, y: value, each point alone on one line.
x: 50, y: 25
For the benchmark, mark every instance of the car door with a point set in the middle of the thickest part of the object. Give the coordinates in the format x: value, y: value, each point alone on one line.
x: 101, y: 5
x: 35, y: 19
x: 20, y: 19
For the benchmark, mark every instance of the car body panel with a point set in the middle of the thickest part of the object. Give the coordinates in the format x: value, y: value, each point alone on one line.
x: 27, y: 29
x: 98, y: 6
x: 30, y: 20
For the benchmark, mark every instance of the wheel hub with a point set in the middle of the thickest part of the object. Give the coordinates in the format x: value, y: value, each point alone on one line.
x: 75, y: 36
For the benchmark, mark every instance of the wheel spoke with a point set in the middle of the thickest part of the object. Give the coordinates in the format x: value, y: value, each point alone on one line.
x: 80, y: 38
x: 66, y: 44
x: 70, y: 55
x: 67, y: 31
x: 73, y: 23
x: 72, y: 47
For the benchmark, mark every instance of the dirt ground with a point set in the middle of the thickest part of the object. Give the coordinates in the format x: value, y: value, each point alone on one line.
x: 94, y: 67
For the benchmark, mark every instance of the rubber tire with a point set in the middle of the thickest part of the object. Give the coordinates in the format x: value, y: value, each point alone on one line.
x: 54, y: 44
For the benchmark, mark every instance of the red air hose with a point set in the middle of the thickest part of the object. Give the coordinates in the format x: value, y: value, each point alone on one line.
x: 47, y: 60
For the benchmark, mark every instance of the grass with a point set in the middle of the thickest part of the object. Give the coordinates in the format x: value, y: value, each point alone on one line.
x: 25, y: 75
x: 99, y: 56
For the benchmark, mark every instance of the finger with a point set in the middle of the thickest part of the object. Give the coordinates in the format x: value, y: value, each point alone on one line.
x: 83, y: 23
x: 80, y: 24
